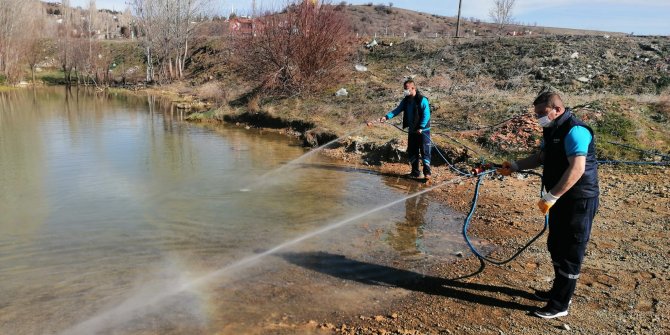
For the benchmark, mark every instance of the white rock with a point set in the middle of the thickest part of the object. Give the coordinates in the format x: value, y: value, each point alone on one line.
x: 583, y: 79
x: 342, y: 92
x: 566, y: 327
x: 574, y: 55
x: 361, y: 68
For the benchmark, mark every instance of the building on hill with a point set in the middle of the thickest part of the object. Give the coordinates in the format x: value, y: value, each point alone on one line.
x: 240, y: 25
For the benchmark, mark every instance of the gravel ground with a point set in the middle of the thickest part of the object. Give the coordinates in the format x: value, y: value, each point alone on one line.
x: 623, y: 289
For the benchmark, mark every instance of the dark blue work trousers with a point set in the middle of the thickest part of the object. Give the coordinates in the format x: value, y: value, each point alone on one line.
x: 570, y: 222
x: 419, y: 144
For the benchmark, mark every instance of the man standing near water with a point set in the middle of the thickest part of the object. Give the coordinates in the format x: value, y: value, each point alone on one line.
x: 570, y: 178
x: 416, y: 118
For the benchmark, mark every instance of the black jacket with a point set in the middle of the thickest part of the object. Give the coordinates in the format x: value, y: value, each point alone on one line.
x: 556, y: 159
x: 417, y: 113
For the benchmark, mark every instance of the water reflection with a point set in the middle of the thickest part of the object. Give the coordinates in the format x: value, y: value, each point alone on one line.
x: 409, y: 232
x: 23, y: 203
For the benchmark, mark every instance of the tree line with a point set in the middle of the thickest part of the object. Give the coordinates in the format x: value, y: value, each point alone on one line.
x: 79, y: 42
x: 300, y: 48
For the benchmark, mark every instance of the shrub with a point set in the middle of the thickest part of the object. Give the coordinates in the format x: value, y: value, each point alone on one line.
x: 662, y: 83
x: 383, y: 9
x: 417, y: 27
x: 301, y: 51
x: 663, y: 108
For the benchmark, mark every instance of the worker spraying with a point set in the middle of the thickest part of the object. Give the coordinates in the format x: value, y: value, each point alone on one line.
x: 416, y: 118
x: 570, y: 178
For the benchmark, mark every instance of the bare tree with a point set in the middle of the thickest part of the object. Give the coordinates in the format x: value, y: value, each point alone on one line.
x: 300, y: 50
x: 166, y: 27
x: 145, y: 12
x: 19, y: 28
x: 65, y: 48
x: 501, y: 13
x: 37, y: 51
x: 9, y: 12
x: 90, y: 24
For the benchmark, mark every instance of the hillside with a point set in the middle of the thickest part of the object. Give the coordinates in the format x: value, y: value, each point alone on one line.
x: 387, y: 21
x: 480, y: 81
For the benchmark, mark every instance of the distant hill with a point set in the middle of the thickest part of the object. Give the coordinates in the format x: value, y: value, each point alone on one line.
x: 383, y: 20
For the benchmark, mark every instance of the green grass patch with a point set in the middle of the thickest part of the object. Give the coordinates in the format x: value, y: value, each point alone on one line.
x: 615, y: 127
x: 662, y: 83
x: 211, y: 114
x: 54, y: 77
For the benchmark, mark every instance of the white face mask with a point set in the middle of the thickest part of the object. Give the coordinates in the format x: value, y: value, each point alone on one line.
x: 406, y: 92
x: 545, y: 122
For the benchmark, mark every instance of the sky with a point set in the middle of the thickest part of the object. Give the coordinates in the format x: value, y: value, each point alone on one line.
x: 640, y: 17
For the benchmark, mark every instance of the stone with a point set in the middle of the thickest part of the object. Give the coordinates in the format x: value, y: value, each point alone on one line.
x: 360, y: 68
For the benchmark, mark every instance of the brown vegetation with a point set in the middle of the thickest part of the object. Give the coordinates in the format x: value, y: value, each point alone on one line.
x: 303, y: 49
x: 17, y: 35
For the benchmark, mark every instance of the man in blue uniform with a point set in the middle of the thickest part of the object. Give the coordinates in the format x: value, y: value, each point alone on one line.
x: 570, y: 178
x: 416, y: 118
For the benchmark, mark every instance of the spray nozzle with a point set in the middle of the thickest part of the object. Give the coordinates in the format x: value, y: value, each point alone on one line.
x: 484, y: 167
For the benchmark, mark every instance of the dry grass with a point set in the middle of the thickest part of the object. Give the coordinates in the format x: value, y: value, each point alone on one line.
x: 254, y: 104
x: 212, y: 91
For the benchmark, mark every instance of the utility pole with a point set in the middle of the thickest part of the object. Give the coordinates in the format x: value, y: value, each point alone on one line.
x: 458, y: 20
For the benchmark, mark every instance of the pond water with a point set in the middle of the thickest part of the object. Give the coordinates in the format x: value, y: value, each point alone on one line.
x: 117, y: 217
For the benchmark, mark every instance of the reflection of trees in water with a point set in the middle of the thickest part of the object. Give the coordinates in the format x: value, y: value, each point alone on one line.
x: 23, y: 203
x: 409, y: 232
